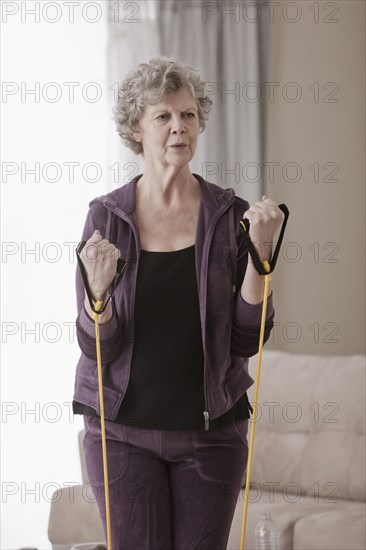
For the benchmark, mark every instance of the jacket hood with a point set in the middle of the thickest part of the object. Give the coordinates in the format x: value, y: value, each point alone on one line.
x: 212, y: 196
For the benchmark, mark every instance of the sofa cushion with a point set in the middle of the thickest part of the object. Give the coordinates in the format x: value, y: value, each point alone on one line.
x: 310, y: 428
x: 300, y: 522
x: 342, y: 528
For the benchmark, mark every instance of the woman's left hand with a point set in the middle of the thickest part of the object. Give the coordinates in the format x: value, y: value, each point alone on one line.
x: 265, y: 218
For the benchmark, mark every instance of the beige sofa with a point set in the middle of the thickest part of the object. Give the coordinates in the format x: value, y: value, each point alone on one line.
x: 308, y: 466
x: 309, y: 452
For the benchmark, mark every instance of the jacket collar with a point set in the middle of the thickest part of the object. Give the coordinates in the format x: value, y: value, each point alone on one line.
x: 212, y: 196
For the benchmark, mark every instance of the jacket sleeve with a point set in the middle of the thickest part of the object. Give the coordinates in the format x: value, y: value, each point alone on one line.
x: 85, y: 329
x: 246, y: 322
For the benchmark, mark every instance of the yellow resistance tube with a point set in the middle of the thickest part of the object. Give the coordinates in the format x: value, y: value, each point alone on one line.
x: 267, y: 279
x: 98, y: 306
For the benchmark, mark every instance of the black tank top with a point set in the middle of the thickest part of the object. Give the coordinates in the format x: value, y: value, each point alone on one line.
x: 166, y: 386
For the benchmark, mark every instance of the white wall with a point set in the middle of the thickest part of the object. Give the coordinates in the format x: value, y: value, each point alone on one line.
x: 39, y: 450
x: 319, y: 280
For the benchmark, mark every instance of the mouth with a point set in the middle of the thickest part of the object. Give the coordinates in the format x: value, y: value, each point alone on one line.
x: 179, y: 146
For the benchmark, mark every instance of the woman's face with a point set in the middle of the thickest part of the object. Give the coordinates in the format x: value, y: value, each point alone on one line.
x: 173, y: 120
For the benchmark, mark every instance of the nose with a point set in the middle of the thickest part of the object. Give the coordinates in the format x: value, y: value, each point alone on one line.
x: 178, y: 125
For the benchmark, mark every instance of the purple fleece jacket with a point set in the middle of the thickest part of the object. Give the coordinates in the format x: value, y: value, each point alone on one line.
x: 230, y: 326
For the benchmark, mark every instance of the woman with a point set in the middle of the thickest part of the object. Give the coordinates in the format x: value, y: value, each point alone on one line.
x: 177, y: 335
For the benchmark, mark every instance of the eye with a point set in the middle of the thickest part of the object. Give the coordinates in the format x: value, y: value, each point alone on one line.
x: 190, y: 114
x: 161, y: 116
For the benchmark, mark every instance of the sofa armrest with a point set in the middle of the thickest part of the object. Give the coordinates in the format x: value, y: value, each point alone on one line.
x: 74, y: 517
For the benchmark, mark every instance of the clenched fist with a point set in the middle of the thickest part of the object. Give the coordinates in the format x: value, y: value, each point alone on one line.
x: 99, y: 257
x: 265, y: 218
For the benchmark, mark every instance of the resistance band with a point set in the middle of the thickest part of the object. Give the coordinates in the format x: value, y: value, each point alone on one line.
x: 263, y: 268
x: 98, y: 307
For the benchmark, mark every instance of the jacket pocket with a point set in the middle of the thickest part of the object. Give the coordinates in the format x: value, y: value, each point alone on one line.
x: 240, y: 427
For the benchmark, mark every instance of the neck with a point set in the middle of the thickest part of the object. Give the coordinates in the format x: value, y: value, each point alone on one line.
x: 171, y: 188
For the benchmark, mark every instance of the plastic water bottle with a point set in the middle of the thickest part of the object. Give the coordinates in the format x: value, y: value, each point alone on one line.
x: 267, y: 534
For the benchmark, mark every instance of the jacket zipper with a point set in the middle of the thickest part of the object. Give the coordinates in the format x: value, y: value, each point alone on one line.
x: 128, y: 220
x: 207, y: 420
x: 211, y: 228
x: 121, y: 215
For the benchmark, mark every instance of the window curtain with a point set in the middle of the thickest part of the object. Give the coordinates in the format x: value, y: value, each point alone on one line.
x: 226, y: 43
x: 133, y: 38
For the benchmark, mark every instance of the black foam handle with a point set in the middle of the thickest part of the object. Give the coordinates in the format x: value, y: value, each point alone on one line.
x: 252, y: 250
x: 286, y: 212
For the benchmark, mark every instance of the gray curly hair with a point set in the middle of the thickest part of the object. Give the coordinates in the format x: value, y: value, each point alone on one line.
x: 147, y: 84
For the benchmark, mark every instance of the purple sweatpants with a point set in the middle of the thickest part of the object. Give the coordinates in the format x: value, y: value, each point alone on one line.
x: 168, y: 490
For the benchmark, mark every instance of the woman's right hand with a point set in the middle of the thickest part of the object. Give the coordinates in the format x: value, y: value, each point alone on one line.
x: 99, y: 257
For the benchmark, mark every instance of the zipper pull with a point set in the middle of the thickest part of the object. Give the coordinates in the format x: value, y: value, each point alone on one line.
x: 206, y: 415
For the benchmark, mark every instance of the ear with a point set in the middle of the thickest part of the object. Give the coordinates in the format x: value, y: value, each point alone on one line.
x: 137, y: 135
